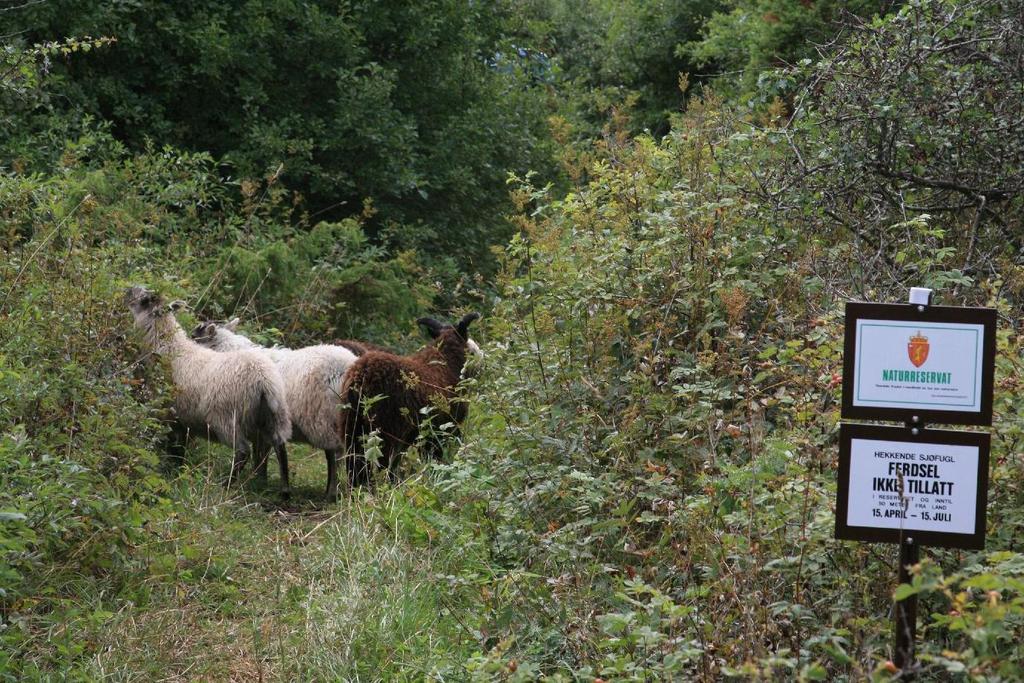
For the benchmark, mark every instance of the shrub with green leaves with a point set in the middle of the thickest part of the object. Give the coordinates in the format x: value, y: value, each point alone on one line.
x: 746, y: 41
x: 653, y: 456
x: 612, y: 54
x: 392, y: 102
x: 907, y: 141
x: 79, y: 444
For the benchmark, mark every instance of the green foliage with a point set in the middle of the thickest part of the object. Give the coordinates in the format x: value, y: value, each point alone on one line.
x: 653, y: 453
x: 747, y: 39
x: 77, y: 444
x: 31, y: 136
x: 387, y: 101
x: 976, y: 617
x: 904, y: 120
x: 319, y: 284
x: 663, y: 402
x: 617, y: 54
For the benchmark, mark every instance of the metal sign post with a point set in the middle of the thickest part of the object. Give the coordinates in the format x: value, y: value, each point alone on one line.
x: 910, y: 485
x: 906, y: 611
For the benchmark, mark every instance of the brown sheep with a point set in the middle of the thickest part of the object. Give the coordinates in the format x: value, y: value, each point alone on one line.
x: 386, y: 392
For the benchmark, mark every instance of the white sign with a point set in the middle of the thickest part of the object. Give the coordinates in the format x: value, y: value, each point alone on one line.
x: 927, y: 365
x: 939, y: 481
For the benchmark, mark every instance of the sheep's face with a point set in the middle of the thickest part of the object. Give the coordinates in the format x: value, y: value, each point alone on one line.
x: 474, y: 359
x: 213, y: 334
x: 146, y: 306
x: 153, y: 316
x: 438, y: 329
x: 455, y: 336
x: 205, y: 333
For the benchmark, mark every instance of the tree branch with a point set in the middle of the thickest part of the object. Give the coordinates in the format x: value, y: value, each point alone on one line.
x: 995, y: 195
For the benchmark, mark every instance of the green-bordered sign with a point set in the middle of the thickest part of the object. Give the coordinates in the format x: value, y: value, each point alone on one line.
x: 931, y: 486
x: 935, y: 364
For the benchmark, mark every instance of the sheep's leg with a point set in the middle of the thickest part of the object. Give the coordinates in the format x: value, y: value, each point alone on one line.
x: 356, y: 465
x: 243, y: 450
x: 434, y: 448
x: 392, y: 459
x: 241, y: 455
x: 282, y: 463
x: 176, y: 442
x: 332, y: 475
x: 261, y: 445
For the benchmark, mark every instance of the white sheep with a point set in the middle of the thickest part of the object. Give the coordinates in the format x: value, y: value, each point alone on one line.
x: 237, y: 397
x: 312, y: 379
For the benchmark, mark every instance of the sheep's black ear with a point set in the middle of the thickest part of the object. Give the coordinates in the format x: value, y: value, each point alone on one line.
x: 463, y: 326
x: 204, y: 330
x: 176, y: 305
x: 433, y: 326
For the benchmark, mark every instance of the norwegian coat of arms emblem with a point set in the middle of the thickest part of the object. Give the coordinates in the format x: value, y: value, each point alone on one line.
x: 917, y: 349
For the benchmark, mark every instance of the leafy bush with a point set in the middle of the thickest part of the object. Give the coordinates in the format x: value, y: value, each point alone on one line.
x: 653, y: 453
x: 747, y: 40
x: 391, y: 102
x: 320, y: 284
x: 904, y: 127
x: 616, y: 54
x: 78, y: 446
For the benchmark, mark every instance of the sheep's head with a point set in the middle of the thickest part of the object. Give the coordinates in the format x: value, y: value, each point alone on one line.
x: 211, y: 333
x: 142, y: 302
x: 454, y: 340
x: 146, y: 305
x: 148, y: 309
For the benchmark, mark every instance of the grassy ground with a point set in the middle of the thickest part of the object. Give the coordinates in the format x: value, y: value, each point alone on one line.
x: 242, y: 588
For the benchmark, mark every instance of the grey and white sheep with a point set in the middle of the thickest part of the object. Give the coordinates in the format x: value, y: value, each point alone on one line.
x: 390, y: 393
x: 312, y: 380
x: 238, y: 398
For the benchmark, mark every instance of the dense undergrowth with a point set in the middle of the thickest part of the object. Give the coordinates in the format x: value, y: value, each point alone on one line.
x: 645, y: 487
x: 661, y: 444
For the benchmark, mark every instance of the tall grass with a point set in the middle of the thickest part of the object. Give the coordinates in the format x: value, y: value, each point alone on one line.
x: 241, y: 589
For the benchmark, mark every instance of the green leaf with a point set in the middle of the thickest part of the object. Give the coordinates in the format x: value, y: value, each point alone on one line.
x: 904, y: 591
x: 814, y: 672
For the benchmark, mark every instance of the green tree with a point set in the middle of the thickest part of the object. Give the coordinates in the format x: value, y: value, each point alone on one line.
x: 747, y: 37
x: 394, y: 102
x: 611, y: 53
x: 915, y: 122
